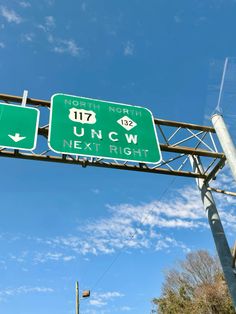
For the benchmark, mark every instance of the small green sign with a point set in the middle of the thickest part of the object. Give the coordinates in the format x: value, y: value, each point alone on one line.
x: 95, y: 128
x: 18, y: 127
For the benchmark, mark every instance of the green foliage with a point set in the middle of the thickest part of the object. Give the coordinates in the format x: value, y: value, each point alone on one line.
x: 196, y: 286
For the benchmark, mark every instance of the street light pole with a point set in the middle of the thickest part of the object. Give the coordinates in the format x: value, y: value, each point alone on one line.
x: 85, y: 294
x: 77, y: 298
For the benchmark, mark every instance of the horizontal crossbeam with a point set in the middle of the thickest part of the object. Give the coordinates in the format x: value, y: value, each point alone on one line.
x: 46, y: 103
x: 85, y: 162
x: 173, y: 134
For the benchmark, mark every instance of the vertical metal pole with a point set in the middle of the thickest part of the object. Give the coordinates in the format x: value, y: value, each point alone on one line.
x: 77, y: 298
x: 225, y: 141
x: 24, y: 98
x: 217, y: 230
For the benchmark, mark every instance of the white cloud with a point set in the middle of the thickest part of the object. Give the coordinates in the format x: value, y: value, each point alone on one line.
x: 129, y: 49
x: 50, y: 21
x: 83, y: 6
x: 110, y: 295
x: 48, y: 25
x: 50, y: 2
x: 50, y: 38
x: 10, y: 15
x: 144, y: 226
x: 3, y: 265
x: 2, y: 45
x: 97, y: 303
x: 139, y: 227
x: 67, y: 46
x: 28, y: 37
x: 20, y: 258
x: 96, y: 191
x: 24, y: 4
x: 52, y: 256
x: 10, y: 292
x: 167, y: 242
x: 62, y: 46
x: 126, y: 308
x: 58, y: 45
x: 102, y: 299
x: 177, y: 19
x: 225, y: 180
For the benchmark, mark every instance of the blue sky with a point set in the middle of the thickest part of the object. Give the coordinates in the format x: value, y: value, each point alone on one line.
x: 62, y: 223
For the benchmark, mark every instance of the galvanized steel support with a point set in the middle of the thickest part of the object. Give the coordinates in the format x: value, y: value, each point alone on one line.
x: 217, y: 230
x: 225, y: 141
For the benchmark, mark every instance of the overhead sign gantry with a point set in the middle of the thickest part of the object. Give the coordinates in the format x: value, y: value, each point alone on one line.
x: 178, y: 141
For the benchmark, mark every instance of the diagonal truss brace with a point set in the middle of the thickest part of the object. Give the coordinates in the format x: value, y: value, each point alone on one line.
x: 198, y: 141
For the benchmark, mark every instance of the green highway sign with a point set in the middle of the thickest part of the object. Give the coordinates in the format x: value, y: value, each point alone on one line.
x: 95, y: 128
x: 18, y: 127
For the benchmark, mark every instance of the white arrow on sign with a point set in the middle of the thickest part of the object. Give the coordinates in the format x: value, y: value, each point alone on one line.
x: 16, y: 137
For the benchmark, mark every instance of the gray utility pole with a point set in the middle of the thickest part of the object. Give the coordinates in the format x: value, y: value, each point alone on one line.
x: 217, y: 230
x: 225, y: 141
x: 76, y: 297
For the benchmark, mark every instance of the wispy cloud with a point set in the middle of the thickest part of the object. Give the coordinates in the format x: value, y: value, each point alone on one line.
x: 48, y: 25
x: 225, y: 179
x: 2, y: 45
x: 126, y: 308
x: 142, y: 226
x: 3, y: 265
x: 177, y: 19
x: 137, y: 227
x: 10, y: 15
x: 52, y: 256
x: 11, y: 292
x: 128, y: 48
x: 83, y: 6
x: 58, y: 45
x: 24, y: 4
x: 96, y: 191
x: 67, y: 46
x: 102, y: 299
x: 27, y: 37
x: 50, y: 2
x: 50, y: 21
x: 20, y: 258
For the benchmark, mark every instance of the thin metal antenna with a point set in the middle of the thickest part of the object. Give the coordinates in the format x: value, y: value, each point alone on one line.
x: 218, y: 109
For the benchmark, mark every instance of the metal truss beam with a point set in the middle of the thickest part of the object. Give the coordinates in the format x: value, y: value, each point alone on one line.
x: 185, y: 125
x: 97, y: 163
x: 46, y: 103
x: 167, y: 148
x: 173, y: 134
x: 67, y: 159
x: 191, y: 151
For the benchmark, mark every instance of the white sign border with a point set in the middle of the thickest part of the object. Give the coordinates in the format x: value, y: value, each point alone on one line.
x: 102, y: 157
x: 36, y: 128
